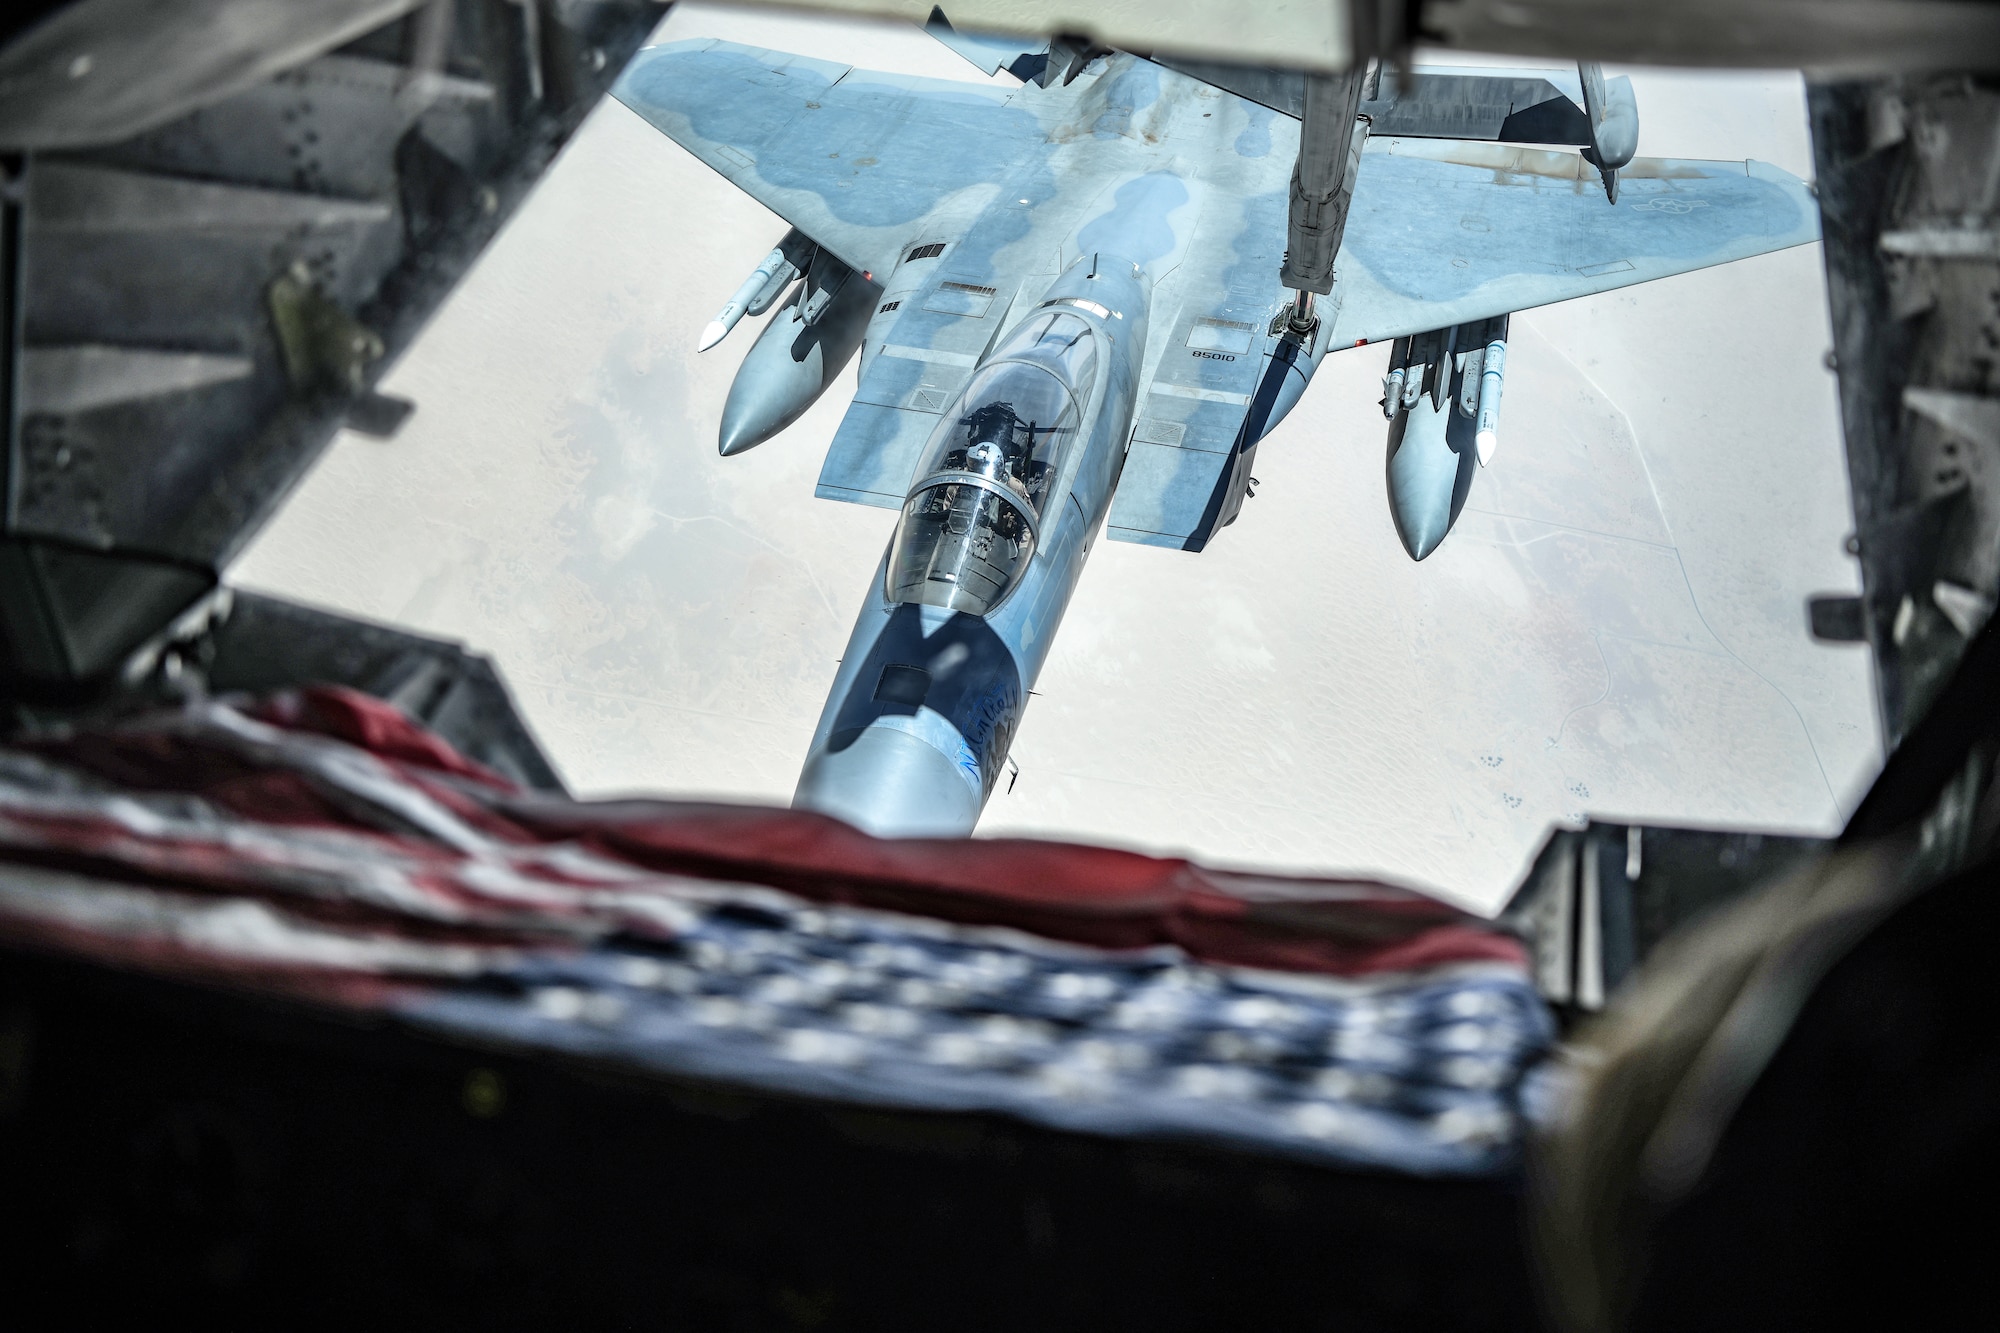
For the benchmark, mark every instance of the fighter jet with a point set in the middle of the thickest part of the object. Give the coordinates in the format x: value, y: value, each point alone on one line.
x: 1065, y: 297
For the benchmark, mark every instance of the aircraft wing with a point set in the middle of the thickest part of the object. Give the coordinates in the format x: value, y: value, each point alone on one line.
x: 1448, y: 232
x: 1542, y: 106
x: 856, y: 159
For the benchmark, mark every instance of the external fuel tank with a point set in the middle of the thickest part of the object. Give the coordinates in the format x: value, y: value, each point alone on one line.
x: 809, y: 341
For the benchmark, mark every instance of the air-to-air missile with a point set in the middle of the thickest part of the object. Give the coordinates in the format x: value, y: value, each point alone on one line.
x: 766, y: 283
x: 1442, y: 398
x: 1492, y: 370
x: 805, y: 346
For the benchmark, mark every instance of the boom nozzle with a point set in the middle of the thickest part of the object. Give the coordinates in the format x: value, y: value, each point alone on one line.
x: 1299, y: 318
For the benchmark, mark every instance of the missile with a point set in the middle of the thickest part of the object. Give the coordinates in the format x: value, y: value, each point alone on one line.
x: 1392, y: 383
x: 766, y: 283
x: 793, y: 360
x: 1492, y: 369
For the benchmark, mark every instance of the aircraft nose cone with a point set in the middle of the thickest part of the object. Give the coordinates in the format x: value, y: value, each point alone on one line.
x: 760, y: 405
x: 891, y: 784
x: 1420, y: 532
x: 775, y: 385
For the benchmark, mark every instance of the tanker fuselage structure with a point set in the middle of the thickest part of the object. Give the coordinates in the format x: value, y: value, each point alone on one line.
x: 1006, y: 503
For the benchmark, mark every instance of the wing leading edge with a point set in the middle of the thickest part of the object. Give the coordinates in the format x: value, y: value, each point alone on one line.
x: 1446, y: 232
x: 1442, y: 232
x: 856, y: 159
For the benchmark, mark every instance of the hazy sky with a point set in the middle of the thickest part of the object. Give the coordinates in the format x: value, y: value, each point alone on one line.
x: 1615, y: 627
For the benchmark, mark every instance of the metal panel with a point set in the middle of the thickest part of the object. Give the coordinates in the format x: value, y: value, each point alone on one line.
x: 244, y: 227
x: 1446, y: 233
x: 874, y: 455
x: 1164, y: 493
x: 902, y: 148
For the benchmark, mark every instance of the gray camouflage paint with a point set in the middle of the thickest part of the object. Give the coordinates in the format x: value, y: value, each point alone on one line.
x: 904, y: 766
x: 1137, y: 165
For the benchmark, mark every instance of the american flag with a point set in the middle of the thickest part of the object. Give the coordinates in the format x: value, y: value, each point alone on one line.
x: 321, y: 845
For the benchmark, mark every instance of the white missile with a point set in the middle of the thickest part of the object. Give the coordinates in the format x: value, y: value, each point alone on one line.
x: 766, y: 283
x: 1486, y: 435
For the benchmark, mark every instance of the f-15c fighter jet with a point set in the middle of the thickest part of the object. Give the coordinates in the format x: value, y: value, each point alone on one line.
x: 1066, y: 300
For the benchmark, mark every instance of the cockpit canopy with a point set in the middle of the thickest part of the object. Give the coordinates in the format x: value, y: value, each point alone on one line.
x: 960, y: 545
x: 969, y: 526
x: 1016, y: 419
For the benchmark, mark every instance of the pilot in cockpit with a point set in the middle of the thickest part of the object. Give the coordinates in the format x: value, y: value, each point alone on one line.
x: 1000, y: 446
x: 969, y: 522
